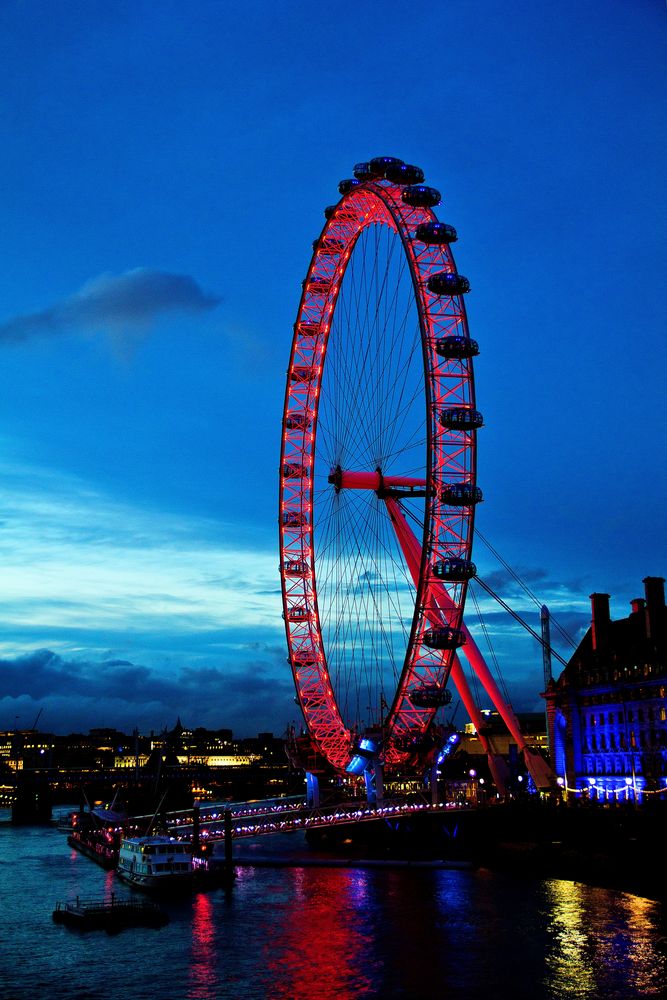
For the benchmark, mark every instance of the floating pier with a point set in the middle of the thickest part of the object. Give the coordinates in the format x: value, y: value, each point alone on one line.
x: 109, y: 914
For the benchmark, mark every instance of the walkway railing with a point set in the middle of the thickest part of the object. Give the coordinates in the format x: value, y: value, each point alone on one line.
x: 255, y: 819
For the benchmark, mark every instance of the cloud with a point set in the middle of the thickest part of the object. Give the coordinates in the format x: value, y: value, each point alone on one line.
x: 113, y: 303
x: 248, y: 696
x: 114, y: 611
x: 76, y: 561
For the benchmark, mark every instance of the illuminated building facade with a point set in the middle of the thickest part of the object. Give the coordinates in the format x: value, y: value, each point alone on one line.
x: 608, y: 711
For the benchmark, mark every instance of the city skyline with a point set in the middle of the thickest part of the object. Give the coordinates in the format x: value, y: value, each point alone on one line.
x: 168, y: 173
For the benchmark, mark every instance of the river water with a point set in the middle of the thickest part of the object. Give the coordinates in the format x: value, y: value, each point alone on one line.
x: 327, y: 934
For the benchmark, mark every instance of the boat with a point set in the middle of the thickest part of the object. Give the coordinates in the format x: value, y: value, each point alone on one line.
x: 109, y: 914
x: 156, y: 864
x: 97, y: 835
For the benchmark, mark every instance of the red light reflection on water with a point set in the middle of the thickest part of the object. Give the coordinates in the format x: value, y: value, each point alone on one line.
x: 319, y: 943
x: 202, y: 968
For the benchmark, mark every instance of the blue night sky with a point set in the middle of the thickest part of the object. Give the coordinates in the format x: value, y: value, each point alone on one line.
x: 164, y: 171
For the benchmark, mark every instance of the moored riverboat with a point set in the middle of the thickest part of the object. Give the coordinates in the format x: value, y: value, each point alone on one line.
x: 97, y: 834
x: 156, y: 864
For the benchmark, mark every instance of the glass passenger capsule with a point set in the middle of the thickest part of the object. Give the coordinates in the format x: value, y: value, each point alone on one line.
x: 454, y: 569
x: 348, y: 184
x: 294, y: 470
x: 316, y: 286
x: 298, y: 421
x: 379, y: 164
x: 303, y: 373
x: 420, y: 196
x: 329, y: 211
x: 294, y: 519
x: 404, y: 173
x: 435, y: 233
x: 430, y: 696
x: 461, y: 495
x: 363, y: 172
x: 304, y: 658
x: 307, y: 329
x: 296, y: 567
x: 461, y: 418
x: 456, y: 347
x: 299, y: 613
x: 444, y: 637
x: 448, y: 283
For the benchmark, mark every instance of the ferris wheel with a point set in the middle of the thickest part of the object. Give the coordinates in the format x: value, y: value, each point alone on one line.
x: 378, y: 470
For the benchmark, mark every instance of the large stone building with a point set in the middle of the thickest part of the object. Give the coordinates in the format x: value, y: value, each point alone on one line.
x: 607, y: 711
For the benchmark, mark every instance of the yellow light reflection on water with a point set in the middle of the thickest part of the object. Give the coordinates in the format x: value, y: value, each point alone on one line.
x: 596, y: 932
x: 569, y: 959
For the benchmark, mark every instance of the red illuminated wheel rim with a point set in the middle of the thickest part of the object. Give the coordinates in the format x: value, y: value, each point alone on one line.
x: 377, y: 473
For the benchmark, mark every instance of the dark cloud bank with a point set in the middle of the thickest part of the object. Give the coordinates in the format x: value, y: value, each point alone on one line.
x: 132, y: 300
x: 249, y: 696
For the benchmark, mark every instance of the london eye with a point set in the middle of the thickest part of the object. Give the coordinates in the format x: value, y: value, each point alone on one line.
x: 378, y: 470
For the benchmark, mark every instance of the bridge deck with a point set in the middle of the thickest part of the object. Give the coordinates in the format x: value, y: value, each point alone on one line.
x: 253, y: 820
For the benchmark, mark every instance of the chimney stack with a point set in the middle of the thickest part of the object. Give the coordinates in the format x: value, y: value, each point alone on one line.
x: 601, y: 620
x: 654, y: 588
x: 640, y: 616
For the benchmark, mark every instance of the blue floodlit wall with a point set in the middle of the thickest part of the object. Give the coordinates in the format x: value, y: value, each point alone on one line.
x: 608, y: 709
x: 623, y: 741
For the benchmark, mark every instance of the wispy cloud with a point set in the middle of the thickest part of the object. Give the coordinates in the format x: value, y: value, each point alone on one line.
x: 113, y: 303
x: 78, y: 563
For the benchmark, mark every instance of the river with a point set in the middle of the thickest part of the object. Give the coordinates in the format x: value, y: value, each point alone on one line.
x: 327, y: 934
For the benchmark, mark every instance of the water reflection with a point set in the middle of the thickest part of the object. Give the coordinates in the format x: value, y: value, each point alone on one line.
x: 320, y: 940
x: 601, y: 943
x: 203, y: 966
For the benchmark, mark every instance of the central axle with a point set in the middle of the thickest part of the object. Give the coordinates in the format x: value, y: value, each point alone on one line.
x: 382, y: 485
